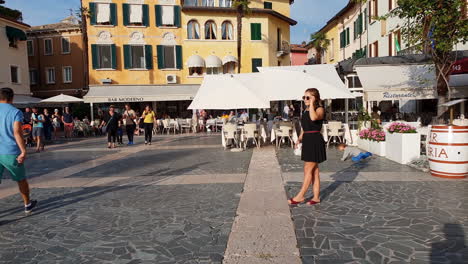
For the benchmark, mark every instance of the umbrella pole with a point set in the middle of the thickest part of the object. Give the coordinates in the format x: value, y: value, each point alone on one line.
x: 346, y: 110
x: 92, y: 111
x: 451, y: 115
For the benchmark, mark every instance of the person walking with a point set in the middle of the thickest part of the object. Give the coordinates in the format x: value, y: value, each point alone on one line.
x: 67, y: 119
x: 110, y: 123
x: 149, y: 118
x: 56, y: 119
x: 27, y: 116
x: 38, y: 129
x: 129, y: 118
x: 47, y: 124
x: 12, y: 147
x: 313, y: 146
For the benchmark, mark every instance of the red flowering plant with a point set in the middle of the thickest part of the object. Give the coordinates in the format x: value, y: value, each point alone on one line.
x: 401, y: 128
x: 372, y: 134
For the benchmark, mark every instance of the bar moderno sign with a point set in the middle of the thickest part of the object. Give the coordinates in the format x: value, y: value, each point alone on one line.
x: 125, y: 99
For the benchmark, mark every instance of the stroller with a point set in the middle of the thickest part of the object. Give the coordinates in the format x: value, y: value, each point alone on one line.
x: 27, y: 135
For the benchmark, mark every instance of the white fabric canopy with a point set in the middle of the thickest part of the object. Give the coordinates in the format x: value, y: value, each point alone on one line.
x: 136, y: 13
x: 222, y: 92
x: 103, y: 13
x: 195, y: 61
x: 280, y: 85
x: 62, y: 98
x: 229, y: 58
x: 167, y: 15
x: 25, y: 100
x: 213, y: 61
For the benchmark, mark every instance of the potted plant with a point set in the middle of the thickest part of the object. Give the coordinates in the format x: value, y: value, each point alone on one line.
x: 404, y: 143
x: 372, y: 140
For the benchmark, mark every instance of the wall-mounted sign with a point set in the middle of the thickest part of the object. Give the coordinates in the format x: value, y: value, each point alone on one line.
x: 125, y: 99
x: 391, y: 95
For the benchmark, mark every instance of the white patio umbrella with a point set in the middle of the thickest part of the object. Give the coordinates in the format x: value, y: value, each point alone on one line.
x: 62, y: 98
x: 282, y: 85
x: 223, y: 92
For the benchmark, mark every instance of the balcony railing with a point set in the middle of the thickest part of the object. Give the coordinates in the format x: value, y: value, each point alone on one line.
x: 208, y: 3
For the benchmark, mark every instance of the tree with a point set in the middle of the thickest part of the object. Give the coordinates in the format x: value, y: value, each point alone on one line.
x: 242, y: 7
x: 320, y: 42
x: 435, y: 27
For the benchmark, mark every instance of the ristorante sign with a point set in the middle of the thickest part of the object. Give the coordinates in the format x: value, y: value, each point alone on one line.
x: 406, y: 95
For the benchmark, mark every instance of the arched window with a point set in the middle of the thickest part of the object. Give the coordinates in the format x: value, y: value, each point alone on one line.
x: 227, y: 31
x: 210, y: 30
x: 193, y: 30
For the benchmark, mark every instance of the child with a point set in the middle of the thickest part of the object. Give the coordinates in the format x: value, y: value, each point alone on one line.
x: 120, y: 133
x: 353, y: 152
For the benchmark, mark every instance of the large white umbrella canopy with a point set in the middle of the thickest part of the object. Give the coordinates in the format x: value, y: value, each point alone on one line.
x: 62, y: 98
x: 223, y: 92
x: 282, y: 85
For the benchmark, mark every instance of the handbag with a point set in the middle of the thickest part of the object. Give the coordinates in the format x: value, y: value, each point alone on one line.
x: 104, y: 128
x: 298, y: 150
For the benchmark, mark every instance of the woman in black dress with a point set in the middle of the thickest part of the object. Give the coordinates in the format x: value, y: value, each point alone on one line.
x: 111, y: 121
x: 313, y: 146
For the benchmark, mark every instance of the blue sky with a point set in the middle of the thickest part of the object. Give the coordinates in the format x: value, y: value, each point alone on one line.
x: 310, y: 14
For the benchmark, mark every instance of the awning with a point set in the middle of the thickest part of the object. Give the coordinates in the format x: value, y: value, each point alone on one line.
x: 25, y: 100
x: 15, y: 33
x: 229, y: 58
x: 195, y: 61
x: 139, y: 93
x: 213, y: 61
x: 408, y: 82
x: 224, y: 92
x: 62, y: 98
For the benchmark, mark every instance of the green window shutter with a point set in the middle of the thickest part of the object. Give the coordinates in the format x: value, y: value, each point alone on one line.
x: 145, y: 15
x: 360, y: 24
x: 268, y: 5
x: 256, y: 63
x: 177, y: 16
x: 342, y: 39
x: 178, y: 56
x: 94, y: 56
x: 158, y: 10
x: 113, y: 11
x: 347, y: 36
x: 127, y: 57
x: 92, y: 11
x: 114, y: 56
x: 126, y: 14
x: 149, y: 57
x: 160, y: 54
x: 256, y: 31
x: 355, y: 29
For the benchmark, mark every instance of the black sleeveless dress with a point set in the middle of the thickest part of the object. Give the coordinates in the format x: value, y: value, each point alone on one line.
x: 313, y: 145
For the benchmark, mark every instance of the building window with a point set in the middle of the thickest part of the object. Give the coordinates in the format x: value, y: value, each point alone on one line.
x: 48, y: 47
x: 354, y: 82
x: 50, y: 75
x: 105, y: 56
x: 227, y: 30
x: 136, y: 15
x: 278, y: 39
x: 30, y: 47
x: 169, y: 57
x: 331, y: 49
x: 229, y: 67
x: 374, y: 49
x: 392, y: 4
x: 208, y: 3
x: 14, y: 74
x: 225, y: 3
x: 212, y: 70
x: 210, y: 30
x: 193, y: 30
x: 67, y: 74
x: 65, y: 45
x: 167, y: 14
x: 268, y: 5
x: 103, y: 14
x: 33, y: 76
x: 373, y: 10
x: 255, y: 64
x: 196, y: 71
x: 256, y: 31
x: 344, y: 38
x: 135, y: 57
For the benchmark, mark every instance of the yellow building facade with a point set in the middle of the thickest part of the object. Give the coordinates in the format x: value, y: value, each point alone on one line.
x: 159, y: 50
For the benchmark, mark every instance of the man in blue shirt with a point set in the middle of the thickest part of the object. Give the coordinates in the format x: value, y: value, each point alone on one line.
x: 12, y: 147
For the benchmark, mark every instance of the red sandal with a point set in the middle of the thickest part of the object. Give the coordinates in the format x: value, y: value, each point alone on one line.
x: 292, y: 202
x: 312, y: 202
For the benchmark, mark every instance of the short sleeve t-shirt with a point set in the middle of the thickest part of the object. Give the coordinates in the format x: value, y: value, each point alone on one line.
x: 130, y: 117
x: 149, y: 118
x: 68, y: 118
x: 8, y: 115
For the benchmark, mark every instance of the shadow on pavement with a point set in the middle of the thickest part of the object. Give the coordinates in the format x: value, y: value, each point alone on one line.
x: 453, y: 249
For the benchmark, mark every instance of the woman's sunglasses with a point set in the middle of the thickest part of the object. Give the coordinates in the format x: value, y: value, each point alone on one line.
x: 306, y: 98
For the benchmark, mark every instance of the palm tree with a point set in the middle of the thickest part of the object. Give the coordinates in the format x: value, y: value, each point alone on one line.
x: 320, y: 43
x: 242, y: 7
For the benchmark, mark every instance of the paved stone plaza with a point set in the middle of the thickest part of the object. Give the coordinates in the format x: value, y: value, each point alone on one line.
x: 187, y: 200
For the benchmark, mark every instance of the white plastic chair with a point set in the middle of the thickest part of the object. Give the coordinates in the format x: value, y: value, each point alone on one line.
x: 186, y: 125
x: 230, y: 133
x: 250, y: 132
x: 335, y: 131
x: 284, y: 132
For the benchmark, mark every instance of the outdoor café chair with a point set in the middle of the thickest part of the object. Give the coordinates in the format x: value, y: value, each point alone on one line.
x: 335, y: 131
x: 250, y: 132
x: 186, y: 125
x: 230, y: 134
x: 284, y: 132
x: 166, y: 127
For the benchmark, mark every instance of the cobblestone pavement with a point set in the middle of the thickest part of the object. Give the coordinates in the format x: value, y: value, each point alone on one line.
x: 421, y: 221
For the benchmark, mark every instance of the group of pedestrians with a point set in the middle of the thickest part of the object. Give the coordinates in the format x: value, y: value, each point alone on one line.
x: 114, y: 123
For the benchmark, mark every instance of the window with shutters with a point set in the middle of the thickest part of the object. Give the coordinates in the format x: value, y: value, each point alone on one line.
x: 373, y: 10
x: 30, y: 47
x: 137, y: 57
x: 212, y: 70
x: 48, y: 47
x: 169, y: 57
x: 104, y: 55
x: 193, y: 30
x: 67, y: 74
x: 167, y: 15
x: 227, y: 31
x: 103, y: 14
x: 256, y: 63
x: 33, y: 76
x: 256, y: 31
x: 14, y: 74
x: 210, y: 30
x: 50, y: 75
x: 225, y: 3
x: 268, y: 5
x: 65, y: 45
x: 374, y: 49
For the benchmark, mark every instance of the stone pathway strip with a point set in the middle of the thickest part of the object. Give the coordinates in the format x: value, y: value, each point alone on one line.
x: 262, y: 231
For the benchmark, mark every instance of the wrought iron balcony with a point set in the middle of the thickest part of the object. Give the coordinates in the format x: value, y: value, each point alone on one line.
x: 208, y: 3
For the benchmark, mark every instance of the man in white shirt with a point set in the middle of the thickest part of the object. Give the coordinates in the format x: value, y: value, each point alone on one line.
x: 286, y: 112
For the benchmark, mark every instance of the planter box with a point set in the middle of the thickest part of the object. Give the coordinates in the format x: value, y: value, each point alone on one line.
x: 403, y: 148
x: 377, y: 148
x: 363, y: 144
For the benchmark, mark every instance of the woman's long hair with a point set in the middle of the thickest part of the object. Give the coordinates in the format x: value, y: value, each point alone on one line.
x: 315, y: 92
